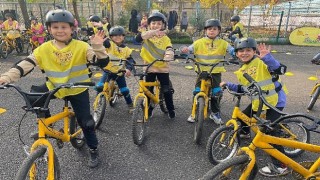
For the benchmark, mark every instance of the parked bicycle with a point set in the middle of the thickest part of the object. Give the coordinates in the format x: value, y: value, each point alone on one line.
x: 244, y: 166
x: 42, y: 162
x: 9, y: 43
x: 315, y: 92
x: 224, y: 142
x: 141, y: 104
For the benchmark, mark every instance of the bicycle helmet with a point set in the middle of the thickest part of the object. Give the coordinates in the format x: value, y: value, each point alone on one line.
x: 33, y: 18
x: 245, y: 43
x: 157, y: 16
x: 235, y: 18
x: 9, y: 15
x: 94, y: 18
x: 212, y: 23
x: 117, y: 30
x: 59, y: 15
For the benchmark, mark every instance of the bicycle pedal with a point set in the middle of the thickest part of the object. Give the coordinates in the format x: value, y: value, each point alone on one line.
x: 60, y: 144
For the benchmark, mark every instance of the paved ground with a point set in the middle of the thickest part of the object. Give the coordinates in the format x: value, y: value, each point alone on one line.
x: 169, y: 152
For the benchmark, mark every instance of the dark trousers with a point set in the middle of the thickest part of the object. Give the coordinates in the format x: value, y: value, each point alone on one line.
x: 272, y: 116
x: 122, y: 84
x: 164, y: 80
x: 215, y: 82
x: 81, y: 107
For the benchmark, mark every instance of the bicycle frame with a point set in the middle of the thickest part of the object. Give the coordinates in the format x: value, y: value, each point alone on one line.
x: 314, y: 88
x: 106, y: 92
x: 204, y: 91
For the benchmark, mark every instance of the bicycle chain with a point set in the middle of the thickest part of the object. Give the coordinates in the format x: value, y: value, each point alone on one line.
x: 307, y: 165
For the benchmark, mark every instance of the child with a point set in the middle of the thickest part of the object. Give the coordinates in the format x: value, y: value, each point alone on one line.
x: 106, y: 25
x: 116, y: 48
x: 38, y: 31
x: 64, y: 60
x: 157, y: 45
x: 143, y: 23
x: 11, y: 24
x: 238, y: 30
x: 211, y: 49
x: 264, y: 69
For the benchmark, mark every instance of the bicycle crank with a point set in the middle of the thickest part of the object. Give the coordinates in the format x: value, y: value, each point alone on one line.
x: 307, y: 165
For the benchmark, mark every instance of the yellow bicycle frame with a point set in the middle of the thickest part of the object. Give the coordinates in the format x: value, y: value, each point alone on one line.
x: 145, y: 93
x: 204, y: 91
x: 44, y: 130
x: 314, y: 88
x: 106, y: 92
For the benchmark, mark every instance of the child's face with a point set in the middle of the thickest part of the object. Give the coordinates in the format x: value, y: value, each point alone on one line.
x: 118, y: 39
x: 212, y: 32
x: 245, y: 54
x: 233, y: 23
x: 61, y: 31
x: 156, y: 25
x: 33, y: 21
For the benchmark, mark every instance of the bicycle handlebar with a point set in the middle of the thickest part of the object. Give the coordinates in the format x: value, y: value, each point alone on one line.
x: 147, y: 67
x: 48, y: 94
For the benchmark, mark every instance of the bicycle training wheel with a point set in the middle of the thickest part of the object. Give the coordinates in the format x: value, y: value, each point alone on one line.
x: 4, y: 50
x: 199, y: 120
x: 36, y: 164
x: 99, y: 109
x: 115, y: 96
x: 222, y: 144
x: 293, y: 129
x: 237, y: 164
x: 314, y: 98
x: 78, y: 141
x: 138, y: 123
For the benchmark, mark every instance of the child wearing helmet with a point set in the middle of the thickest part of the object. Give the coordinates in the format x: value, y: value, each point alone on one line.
x: 238, y: 30
x: 262, y: 68
x: 13, y: 28
x: 157, y: 45
x: 65, y: 60
x: 97, y: 25
x: 38, y: 31
x: 211, y: 49
x: 116, y: 49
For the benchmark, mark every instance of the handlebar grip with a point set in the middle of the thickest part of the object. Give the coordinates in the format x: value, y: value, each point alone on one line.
x: 248, y: 77
x: 85, y: 84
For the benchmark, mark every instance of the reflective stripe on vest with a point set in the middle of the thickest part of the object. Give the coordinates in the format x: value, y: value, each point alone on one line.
x: 153, y: 50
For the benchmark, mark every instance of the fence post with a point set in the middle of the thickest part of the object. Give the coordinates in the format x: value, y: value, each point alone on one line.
x: 286, y: 32
x: 277, y: 40
x: 249, y: 21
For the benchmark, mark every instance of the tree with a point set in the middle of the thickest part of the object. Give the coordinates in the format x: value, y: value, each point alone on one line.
x: 23, y: 7
x: 75, y: 10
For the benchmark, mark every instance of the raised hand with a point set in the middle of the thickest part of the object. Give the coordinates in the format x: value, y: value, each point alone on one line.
x: 98, y: 38
x: 263, y: 49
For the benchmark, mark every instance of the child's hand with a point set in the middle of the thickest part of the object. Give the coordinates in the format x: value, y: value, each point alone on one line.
x: 98, y: 38
x: 263, y: 49
x: 128, y: 73
x: 223, y: 84
x: 2, y: 82
x: 184, y: 50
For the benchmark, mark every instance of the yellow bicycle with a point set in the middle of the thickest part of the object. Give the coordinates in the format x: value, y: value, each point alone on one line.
x: 42, y: 162
x: 243, y: 165
x: 9, y: 43
x: 314, y: 94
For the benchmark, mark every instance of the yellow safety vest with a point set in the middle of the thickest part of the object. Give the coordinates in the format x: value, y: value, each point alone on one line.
x: 67, y: 65
x: 117, y: 52
x: 37, y: 27
x: 105, y: 29
x: 242, y: 29
x: 258, y: 70
x: 154, y: 48
x: 7, y: 26
x: 210, y: 51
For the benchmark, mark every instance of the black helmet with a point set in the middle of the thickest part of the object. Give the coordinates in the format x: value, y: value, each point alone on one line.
x: 94, y: 18
x: 157, y: 16
x: 235, y: 18
x: 59, y: 15
x: 9, y: 15
x: 117, y: 30
x: 212, y: 23
x: 33, y: 18
x: 245, y: 43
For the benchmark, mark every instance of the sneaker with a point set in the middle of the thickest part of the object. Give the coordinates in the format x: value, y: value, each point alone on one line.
x: 131, y: 108
x: 99, y: 87
x: 150, y: 112
x: 172, y: 114
x: 216, y: 118
x: 190, y: 119
x: 93, y: 159
x: 245, y: 136
x: 272, y: 170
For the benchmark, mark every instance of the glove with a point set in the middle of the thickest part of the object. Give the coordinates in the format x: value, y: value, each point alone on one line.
x: 169, y: 55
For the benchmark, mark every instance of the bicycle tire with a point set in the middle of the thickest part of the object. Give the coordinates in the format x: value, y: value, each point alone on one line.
x: 199, y: 120
x: 162, y: 103
x: 218, y: 149
x: 314, y: 98
x: 115, y: 97
x: 78, y: 141
x: 37, y: 158
x: 305, y: 137
x: 138, y: 123
x: 4, y: 50
x: 99, y: 110
x: 19, y: 51
x: 238, y: 164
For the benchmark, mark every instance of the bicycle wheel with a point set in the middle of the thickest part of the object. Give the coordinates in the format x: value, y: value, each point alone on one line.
x: 115, y: 96
x: 99, y: 110
x: 295, y: 127
x: 37, y: 163
x: 4, y: 50
x: 78, y: 141
x: 138, y: 123
x: 222, y: 144
x: 29, y: 49
x: 314, y: 98
x: 19, y: 51
x: 162, y: 103
x: 199, y: 120
x: 238, y: 165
